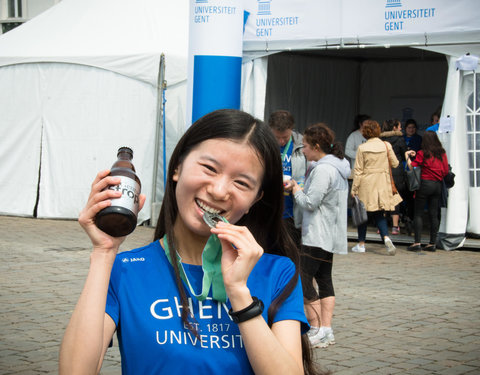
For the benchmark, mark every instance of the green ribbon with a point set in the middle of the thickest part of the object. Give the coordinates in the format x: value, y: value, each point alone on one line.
x: 212, y: 270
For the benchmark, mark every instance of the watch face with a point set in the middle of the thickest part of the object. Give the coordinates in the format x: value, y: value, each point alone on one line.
x: 212, y: 219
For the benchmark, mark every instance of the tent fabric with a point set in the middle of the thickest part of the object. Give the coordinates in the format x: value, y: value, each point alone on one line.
x: 78, y: 82
x: 294, y: 25
x: 471, y: 90
x: 254, y: 76
x: 128, y: 42
x: 454, y: 219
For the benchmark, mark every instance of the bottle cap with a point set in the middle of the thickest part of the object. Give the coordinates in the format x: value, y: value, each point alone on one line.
x: 125, y: 149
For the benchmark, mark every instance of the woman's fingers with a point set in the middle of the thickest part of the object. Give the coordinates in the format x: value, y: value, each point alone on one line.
x: 99, y: 198
x: 239, y: 236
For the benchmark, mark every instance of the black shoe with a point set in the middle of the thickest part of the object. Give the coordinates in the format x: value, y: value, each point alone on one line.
x: 430, y: 247
x: 414, y: 248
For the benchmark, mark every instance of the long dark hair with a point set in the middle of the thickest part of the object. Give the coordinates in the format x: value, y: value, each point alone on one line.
x: 320, y: 134
x: 388, y: 125
x: 432, y: 146
x: 264, y: 219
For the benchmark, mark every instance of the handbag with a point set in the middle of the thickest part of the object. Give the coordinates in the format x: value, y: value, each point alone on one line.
x: 394, y: 188
x: 413, y: 178
x: 359, y: 213
x: 449, y: 179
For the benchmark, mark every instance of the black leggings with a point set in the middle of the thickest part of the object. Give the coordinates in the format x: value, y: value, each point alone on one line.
x: 316, y: 263
x: 429, y: 192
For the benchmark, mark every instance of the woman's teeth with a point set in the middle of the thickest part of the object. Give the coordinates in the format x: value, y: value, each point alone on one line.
x: 206, y: 208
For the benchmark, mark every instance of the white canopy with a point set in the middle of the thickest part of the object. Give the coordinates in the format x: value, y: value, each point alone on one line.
x: 79, y: 81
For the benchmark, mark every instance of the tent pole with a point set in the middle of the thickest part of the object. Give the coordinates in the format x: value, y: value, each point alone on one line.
x: 159, y: 129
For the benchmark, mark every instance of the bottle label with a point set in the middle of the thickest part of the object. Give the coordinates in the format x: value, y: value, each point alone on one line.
x: 130, y: 191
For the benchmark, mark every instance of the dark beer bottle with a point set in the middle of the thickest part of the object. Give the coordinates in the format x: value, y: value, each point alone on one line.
x: 120, y: 218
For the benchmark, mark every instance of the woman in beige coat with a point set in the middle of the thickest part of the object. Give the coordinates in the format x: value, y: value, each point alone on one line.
x: 372, y: 183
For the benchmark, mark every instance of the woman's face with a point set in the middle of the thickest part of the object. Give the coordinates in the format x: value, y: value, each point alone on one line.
x: 311, y: 154
x: 218, y: 176
x: 410, y: 130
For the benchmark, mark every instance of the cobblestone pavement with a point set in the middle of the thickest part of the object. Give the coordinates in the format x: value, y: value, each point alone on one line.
x: 414, y: 313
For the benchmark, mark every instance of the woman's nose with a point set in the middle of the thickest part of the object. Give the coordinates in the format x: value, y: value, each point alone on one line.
x: 219, y: 189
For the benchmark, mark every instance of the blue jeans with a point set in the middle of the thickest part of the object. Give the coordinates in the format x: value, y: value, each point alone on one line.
x: 380, y: 221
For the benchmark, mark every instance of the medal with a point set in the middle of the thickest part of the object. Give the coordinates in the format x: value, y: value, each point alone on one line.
x: 212, y: 219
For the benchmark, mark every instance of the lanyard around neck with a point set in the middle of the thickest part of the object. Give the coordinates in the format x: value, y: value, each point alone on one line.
x: 285, y: 150
x: 212, y: 270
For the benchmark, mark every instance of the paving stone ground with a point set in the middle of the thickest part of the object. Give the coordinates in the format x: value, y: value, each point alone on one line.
x: 414, y: 313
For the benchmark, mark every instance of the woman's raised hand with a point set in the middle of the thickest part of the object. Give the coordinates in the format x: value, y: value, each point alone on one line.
x: 99, y: 199
x: 410, y: 153
x: 240, y: 253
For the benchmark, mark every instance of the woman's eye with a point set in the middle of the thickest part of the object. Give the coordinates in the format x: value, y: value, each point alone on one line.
x: 243, y: 184
x: 210, y: 168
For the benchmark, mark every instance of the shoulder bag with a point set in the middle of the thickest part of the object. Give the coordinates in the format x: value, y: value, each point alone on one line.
x: 449, y: 179
x: 359, y: 213
x: 413, y: 178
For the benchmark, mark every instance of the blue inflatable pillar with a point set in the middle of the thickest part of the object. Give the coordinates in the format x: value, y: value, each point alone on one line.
x: 215, y: 56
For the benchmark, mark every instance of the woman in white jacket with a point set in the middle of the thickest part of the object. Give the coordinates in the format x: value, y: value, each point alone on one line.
x: 324, y: 227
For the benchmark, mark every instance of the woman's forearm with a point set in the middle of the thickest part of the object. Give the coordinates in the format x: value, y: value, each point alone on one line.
x: 276, y: 350
x: 83, y: 342
x: 266, y: 353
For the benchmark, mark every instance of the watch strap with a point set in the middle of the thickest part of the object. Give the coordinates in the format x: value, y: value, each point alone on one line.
x: 249, y: 312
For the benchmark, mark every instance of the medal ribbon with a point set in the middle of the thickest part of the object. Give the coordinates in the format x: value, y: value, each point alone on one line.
x: 212, y: 270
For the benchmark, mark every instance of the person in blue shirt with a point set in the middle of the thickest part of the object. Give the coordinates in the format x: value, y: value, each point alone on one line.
x: 412, y: 139
x: 200, y: 299
x: 294, y: 166
x: 435, y: 120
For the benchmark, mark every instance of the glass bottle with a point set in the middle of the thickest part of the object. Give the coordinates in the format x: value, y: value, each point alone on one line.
x: 120, y: 218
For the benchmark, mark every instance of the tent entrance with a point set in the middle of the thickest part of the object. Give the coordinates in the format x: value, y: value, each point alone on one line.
x: 333, y: 86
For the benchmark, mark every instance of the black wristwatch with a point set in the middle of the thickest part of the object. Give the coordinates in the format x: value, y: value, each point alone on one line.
x: 249, y: 312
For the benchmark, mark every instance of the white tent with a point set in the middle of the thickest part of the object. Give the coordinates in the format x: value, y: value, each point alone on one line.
x: 83, y: 78
x: 442, y: 26
x: 76, y: 83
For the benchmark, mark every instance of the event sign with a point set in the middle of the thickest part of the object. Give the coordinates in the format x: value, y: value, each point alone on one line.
x: 352, y: 20
x: 215, y: 56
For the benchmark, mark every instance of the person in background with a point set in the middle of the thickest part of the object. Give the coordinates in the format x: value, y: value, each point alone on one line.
x: 372, y: 183
x: 412, y: 139
x: 324, y: 227
x: 432, y: 158
x: 414, y: 142
x: 435, y: 121
x: 355, y: 138
x: 392, y: 133
x: 294, y: 165
x: 191, y: 301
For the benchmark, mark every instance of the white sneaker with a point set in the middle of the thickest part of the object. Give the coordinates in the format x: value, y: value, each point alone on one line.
x: 391, y: 249
x: 358, y: 248
x: 314, y: 334
x: 322, y: 341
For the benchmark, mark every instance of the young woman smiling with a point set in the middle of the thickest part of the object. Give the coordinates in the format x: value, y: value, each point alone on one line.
x: 201, y: 300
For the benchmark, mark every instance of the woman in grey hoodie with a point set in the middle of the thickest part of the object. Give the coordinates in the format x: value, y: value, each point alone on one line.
x: 324, y: 226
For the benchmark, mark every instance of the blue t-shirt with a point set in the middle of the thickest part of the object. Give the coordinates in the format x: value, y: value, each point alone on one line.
x: 145, y: 305
x: 287, y: 171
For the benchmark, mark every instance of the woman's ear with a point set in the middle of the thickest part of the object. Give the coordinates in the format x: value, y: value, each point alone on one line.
x: 176, y: 174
